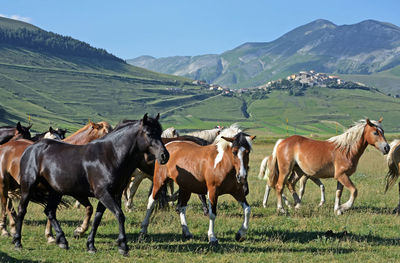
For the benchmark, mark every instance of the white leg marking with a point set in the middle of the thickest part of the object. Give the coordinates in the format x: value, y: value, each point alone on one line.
x: 150, y: 207
x: 241, y: 235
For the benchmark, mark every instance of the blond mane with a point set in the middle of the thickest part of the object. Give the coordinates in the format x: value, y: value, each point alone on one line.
x: 222, y: 144
x: 348, y: 140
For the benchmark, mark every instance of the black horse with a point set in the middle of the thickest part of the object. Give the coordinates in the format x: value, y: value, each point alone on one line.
x: 6, y: 133
x: 100, y: 169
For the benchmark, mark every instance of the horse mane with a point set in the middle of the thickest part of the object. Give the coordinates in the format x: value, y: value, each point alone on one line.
x: 170, y: 132
x: 222, y: 144
x: 208, y: 135
x: 349, y: 138
x: 393, y: 146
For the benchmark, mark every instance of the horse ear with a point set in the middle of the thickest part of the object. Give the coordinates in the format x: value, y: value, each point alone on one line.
x: 29, y: 127
x: 19, y: 126
x: 368, y: 122
x: 51, y: 129
x: 144, y: 120
x: 158, y: 116
x: 228, y: 139
x: 252, y: 137
x: 380, y: 120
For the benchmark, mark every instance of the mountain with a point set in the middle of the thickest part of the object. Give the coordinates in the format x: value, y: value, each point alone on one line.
x: 363, y: 48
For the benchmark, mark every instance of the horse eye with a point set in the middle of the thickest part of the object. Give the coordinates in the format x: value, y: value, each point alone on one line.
x: 376, y: 133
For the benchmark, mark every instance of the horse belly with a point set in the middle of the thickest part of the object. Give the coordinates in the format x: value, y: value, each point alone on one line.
x: 190, y: 181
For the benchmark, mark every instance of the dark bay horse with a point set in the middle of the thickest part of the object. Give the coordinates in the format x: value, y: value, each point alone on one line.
x: 336, y: 157
x: 100, y: 169
x: 213, y: 170
x: 10, y: 155
x: 6, y: 133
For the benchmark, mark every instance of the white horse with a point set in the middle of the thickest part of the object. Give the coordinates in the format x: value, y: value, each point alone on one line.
x: 264, y: 175
x: 208, y: 135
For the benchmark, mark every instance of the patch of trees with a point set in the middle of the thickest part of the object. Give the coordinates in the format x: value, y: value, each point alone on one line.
x: 53, y: 43
x: 295, y: 88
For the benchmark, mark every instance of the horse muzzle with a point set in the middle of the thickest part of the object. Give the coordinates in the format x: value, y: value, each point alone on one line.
x: 164, y: 157
x: 386, y: 149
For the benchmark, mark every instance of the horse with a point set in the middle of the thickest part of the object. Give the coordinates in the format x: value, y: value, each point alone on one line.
x: 336, y: 157
x: 393, y: 161
x: 208, y: 135
x: 264, y: 174
x: 9, y: 167
x: 147, y: 171
x: 170, y: 132
x: 10, y: 155
x: 101, y: 169
x: 148, y: 165
x: 214, y: 170
x: 7, y: 133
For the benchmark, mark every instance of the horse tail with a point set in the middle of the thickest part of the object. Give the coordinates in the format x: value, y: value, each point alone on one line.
x: 273, y: 167
x: 263, y: 167
x: 393, y: 173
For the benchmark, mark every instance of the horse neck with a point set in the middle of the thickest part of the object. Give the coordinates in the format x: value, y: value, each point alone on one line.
x: 82, y: 136
x: 359, y: 148
x: 226, y: 162
x: 124, y: 142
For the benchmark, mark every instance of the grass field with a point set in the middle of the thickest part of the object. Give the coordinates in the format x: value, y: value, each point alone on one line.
x: 373, y: 233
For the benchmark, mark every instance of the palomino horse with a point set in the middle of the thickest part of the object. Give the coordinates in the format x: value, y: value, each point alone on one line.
x: 213, y: 170
x: 10, y: 155
x: 100, y: 169
x: 264, y: 174
x: 393, y: 160
x: 6, y: 133
x: 337, y: 157
x: 208, y: 135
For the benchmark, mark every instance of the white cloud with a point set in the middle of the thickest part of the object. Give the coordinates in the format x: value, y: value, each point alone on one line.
x: 18, y: 17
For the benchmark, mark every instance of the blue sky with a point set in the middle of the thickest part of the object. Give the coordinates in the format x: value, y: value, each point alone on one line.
x: 163, y: 28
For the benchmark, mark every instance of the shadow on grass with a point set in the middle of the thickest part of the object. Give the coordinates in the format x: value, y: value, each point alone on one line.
x: 6, y: 258
x: 373, y: 210
x: 308, y: 236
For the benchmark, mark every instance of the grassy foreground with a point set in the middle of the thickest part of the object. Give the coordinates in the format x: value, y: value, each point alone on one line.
x: 367, y: 233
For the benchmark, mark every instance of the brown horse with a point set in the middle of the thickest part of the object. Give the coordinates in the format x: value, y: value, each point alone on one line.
x: 337, y: 157
x: 14, y: 133
x: 10, y: 155
x: 393, y: 160
x: 213, y: 170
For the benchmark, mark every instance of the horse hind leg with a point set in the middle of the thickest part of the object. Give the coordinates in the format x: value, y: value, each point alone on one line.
x: 130, y: 191
x: 397, y: 209
x: 3, y: 199
x: 318, y: 182
x: 79, y: 231
x: 50, y: 211
x: 212, y: 213
x: 12, y: 215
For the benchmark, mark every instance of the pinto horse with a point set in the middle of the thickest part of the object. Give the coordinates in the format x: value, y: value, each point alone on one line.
x: 337, y: 157
x: 10, y: 155
x: 100, y: 169
x: 213, y: 170
x: 7, y: 133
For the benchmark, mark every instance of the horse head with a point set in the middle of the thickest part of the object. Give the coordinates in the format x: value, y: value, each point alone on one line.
x: 23, y: 131
x: 151, y: 143
x: 375, y: 135
x: 55, y: 134
x: 241, y: 147
x: 99, y: 129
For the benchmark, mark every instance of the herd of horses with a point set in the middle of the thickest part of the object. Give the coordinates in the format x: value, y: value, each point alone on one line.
x: 106, y: 163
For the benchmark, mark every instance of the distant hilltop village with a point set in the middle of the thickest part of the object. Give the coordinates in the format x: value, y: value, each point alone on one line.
x: 312, y: 78
x: 295, y: 84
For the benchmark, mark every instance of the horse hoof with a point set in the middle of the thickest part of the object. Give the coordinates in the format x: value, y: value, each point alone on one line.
x: 338, y: 212
x: 123, y: 252
x: 187, y: 236
x: 18, y: 246
x: 321, y: 204
x: 51, y: 240
x: 239, y: 237
x: 78, y: 233
x: 4, y: 233
x: 214, y: 243
x: 92, y: 250
x: 63, y: 246
x: 142, y: 236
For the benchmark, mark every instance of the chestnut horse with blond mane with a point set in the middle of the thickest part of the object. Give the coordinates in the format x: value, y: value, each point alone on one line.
x: 214, y: 170
x: 337, y: 157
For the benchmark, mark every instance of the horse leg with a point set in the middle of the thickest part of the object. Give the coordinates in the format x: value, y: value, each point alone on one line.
x: 159, y: 179
x: 284, y: 172
x: 12, y: 215
x: 79, y: 231
x: 23, y: 204
x: 291, y: 185
x: 212, y: 213
x: 48, y: 233
x: 266, y: 195
x: 321, y: 186
x: 204, y: 204
x: 339, y: 190
x: 184, y: 197
x: 3, y: 199
x: 50, y: 211
x: 114, y: 205
x: 96, y: 221
x: 345, y: 181
x: 302, y: 188
x: 131, y: 190
x: 397, y: 209
x: 241, y: 234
